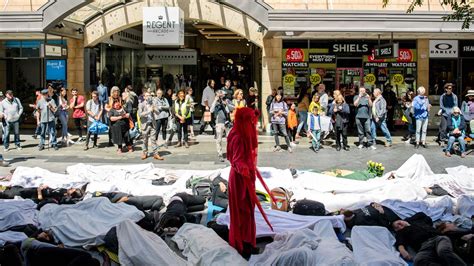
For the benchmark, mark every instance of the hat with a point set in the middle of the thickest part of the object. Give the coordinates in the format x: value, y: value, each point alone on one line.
x: 448, y: 85
x: 470, y: 93
x: 45, y: 91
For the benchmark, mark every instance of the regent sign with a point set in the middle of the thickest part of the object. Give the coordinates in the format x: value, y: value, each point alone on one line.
x: 163, y: 26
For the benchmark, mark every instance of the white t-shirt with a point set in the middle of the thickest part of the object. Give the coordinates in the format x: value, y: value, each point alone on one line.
x: 209, y: 96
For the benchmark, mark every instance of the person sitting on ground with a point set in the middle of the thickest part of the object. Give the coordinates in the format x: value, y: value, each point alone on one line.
x: 143, y: 203
x: 177, y: 211
x: 456, y: 126
x: 279, y: 111
x: 314, y: 128
x: 373, y: 214
x: 418, y: 233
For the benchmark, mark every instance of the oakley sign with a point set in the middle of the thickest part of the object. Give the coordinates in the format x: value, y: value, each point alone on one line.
x: 443, y: 48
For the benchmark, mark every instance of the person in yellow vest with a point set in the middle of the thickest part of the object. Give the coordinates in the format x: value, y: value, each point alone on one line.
x: 182, y: 111
x: 238, y: 102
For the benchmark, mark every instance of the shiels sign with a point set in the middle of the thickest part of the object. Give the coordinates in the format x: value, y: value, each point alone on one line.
x: 163, y: 26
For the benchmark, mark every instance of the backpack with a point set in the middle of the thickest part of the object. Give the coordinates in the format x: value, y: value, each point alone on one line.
x: 203, y: 188
x: 218, y: 197
x: 309, y: 207
x: 282, y: 197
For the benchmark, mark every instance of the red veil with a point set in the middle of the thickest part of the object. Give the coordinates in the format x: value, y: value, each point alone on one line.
x: 242, y: 144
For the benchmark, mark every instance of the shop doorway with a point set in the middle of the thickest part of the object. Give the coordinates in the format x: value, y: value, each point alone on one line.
x: 349, y: 77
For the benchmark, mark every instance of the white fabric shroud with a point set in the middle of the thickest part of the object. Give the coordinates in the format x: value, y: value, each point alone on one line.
x: 330, y: 251
x: 374, y: 246
x: 202, y: 246
x: 439, y: 208
x: 285, y: 221
x: 17, y: 212
x: 465, y: 205
x: 34, y: 177
x: 87, y: 222
x: 11, y: 237
x: 139, y: 247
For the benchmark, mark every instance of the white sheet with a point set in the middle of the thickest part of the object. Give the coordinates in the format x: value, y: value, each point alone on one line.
x: 374, y: 245
x: 330, y: 251
x: 465, y: 205
x: 87, y: 222
x: 285, y: 221
x: 139, y: 247
x: 11, y: 237
x: 202, y: 246
x: 17, y: 212
x: 439, y: 208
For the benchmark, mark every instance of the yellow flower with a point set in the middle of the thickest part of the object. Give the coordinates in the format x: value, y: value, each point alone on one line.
x: 382, y: 168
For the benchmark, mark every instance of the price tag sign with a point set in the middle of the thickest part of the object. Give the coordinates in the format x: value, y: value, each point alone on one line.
x: 289, y: 80
x: 398, y: 79
x: 369, y: 79
x: 315, y: 79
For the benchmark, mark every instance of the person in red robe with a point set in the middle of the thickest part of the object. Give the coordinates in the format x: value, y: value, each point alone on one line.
x: 242, y: 144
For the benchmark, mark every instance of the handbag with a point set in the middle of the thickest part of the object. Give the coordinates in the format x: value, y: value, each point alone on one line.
x: 207, y: 116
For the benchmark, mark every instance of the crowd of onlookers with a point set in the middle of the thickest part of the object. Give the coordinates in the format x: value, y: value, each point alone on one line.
x: 314, y: 113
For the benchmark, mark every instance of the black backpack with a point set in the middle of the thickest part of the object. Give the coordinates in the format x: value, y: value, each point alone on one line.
x: 203, y: 188
x: 219, y: 198
x: 309, y: 207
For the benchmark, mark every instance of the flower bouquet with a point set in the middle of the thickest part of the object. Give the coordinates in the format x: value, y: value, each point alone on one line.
x: 375, y: 168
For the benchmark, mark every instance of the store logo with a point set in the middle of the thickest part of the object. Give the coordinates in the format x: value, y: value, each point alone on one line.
x: 151, y: 56
x: 160, y: 17
x: 443, y: 46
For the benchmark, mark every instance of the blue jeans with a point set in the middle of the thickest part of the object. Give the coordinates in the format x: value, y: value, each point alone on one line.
x: 63, y: 117
x: 6, y: 133
x: 316, y: 142
x: 383, y: 126
x: 303, y: 117
x: 460, y: 139
x: 45, y: 127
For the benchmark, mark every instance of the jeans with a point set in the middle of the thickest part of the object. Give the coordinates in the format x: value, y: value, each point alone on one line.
x: 421, y: 129
x: 363, y: 130
x: 383, y: 127
x: 220, y: 132
x: 437, y: 251
x: 460, y: 139
x: 341, y: 132
x: 161, y: 124
x: 183, y: 130
x: 303, y: 117
x: 316, y: 143
x: 63, y: 118
x: 6, y: 133
x: 280, y: 129
x: 48, y: 128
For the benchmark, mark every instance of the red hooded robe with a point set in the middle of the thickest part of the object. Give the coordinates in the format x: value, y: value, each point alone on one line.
x: 242, y: 146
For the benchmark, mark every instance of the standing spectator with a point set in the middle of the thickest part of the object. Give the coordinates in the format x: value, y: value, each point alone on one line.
x: 456, y: 126
x: 315, y: 102
x: 221, y: 82
x: 120, y: 125
x: 340, y: 114
x: 208, y: 96
x: 349, y: 97
x: 379, y: 117
x: 94, y: 111
x: 228, y: 90
x: 409, y: 116
x: 35, y: 112
x: 363, y: 103
x: 303, y: 107
x: 133, y: 98
x: 292, y: 124
x: 190, y: 101
x: 147, y: 110
x: 169, y: 96
x: 467, y: 110
x: 421, y: 111
x: 252, y: 99
x: 47, y: 108
x: 128, y: 107
x: 114, y: 98
x: 221, y: 111
x: 11, y: 111
x: 237, y: 103
x: 172, y: 122
x: 314, y: 128
x: 269, y: 101
x: 63, y: 113
x: 182, y: 113
x: 162, y: 113
x: 103, y: 93
x: 279, y: 111
x: 392, y: 103
x: 78, y: 113
x: 323, y: 99
x: 447, y: 102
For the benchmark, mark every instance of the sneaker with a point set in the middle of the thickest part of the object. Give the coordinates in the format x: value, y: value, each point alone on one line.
x: 292, y: 144
x: 4, y: 164
x: 424, y: 145
x: 276, y: 149
x: 56, y: 147
x: 35, y: 136
x: 6, y: 149
x: 221, y: 158
x: 388, y: 144
x: 346, y: 148
x: 338, y: 148
x: 360, y: 146
x: 40, y: 148
x: 168, y: 143
x: 290, y: 150
x: 179, y: 144
x: 373, y: 147
x: 408, y: 141
x: 19, y: 148
x: 463, y: 155
x: 186, y: 145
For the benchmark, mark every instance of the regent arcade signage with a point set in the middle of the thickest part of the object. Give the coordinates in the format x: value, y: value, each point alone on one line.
x: 163, y: 26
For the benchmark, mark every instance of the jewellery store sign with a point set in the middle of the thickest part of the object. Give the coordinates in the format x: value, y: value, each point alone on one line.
x: 163, y: 26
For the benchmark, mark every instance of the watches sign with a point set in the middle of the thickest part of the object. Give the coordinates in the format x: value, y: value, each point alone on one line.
x: 443, y: 48
x: 163, y: 26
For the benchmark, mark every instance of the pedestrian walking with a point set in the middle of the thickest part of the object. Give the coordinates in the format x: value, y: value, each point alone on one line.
x: 147, y: 111
x: 94, y: 111
x: 279, y: 111
x: 392, y: 104
x: 363, y: 103
x: 221, y: 111
x: 11, y: 111
x: 35, y: 112
x: 421, y: 111
x: 76, y: 104
x: 47, y: 109
x: 379, y: 118
x: 172, y: 121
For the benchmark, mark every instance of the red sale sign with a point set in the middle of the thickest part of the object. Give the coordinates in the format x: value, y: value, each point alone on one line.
x: 294, y: 55
x: 405, y: 55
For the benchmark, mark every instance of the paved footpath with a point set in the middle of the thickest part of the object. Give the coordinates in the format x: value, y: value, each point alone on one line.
x: 202, y: 155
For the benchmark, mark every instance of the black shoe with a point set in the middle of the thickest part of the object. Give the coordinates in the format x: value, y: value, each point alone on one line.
x: 338, y: 148
x: 111, y: 144
x: 417, y: 146
x: 56, y: 147
x: 346, y: 148
x: 424, y: 145
x: 40, y: 148
x: 95, y: 146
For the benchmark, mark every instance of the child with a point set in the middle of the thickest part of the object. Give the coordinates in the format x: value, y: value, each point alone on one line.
x: 292, y: 124
x: 314, y: 128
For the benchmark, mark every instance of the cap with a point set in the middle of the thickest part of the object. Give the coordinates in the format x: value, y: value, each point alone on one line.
x: 45, y: 91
